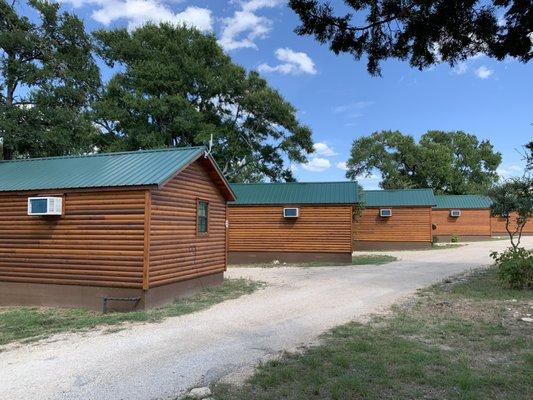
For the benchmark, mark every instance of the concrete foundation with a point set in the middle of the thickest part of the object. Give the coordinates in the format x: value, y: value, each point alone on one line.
x: 363, y: 245
x: 252, y: 257
x: 91, y: 297
x: 463, y: 238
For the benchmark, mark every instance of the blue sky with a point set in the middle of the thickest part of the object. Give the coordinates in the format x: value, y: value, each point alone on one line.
x: 335, y: 95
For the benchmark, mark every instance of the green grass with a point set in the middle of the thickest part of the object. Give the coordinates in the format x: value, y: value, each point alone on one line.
x: 461, y: 339
x: 33, y: 323
x: 366, y: 259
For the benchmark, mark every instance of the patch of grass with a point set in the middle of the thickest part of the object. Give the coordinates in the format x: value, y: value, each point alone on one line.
x: 365, y: 259
x: 34, y: 323
x: 462, y: 339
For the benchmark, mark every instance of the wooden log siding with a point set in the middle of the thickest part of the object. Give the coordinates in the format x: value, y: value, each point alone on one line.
x: 498, y: 226
x: 407, y: 224
x: 470, y: 223
x: 98, y: 242
x: 324, y: 229
x: 177, y: 252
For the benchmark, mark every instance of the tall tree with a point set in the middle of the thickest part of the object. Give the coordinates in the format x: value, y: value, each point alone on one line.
x: 47, y: 79
x: 176, y: 87
x: 424, y: 32
x: 448, y: 162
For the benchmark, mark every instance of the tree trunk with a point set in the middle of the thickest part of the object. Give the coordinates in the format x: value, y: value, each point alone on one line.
x: 7, y: 153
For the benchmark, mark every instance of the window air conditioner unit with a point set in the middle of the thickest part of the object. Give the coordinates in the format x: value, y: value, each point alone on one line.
x: 291, y: 213
x: 385, y: 212
x: 45, y: 206
x: 455, y: 213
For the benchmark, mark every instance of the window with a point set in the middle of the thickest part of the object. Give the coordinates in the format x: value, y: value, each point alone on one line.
x: 385, y: 212
x: 291, y: 212
x: 202, y: 214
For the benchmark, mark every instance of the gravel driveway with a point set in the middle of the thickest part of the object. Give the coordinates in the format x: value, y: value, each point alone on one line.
x: 158, y: 361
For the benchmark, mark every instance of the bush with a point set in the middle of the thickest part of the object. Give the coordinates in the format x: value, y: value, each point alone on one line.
x: 515, y: 267
x: 455, y: 239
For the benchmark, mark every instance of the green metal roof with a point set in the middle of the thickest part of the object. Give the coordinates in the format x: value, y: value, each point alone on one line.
x: 135, y: 168
x: 462, y: 201
x: 398, y: 197
x: 296, y: 193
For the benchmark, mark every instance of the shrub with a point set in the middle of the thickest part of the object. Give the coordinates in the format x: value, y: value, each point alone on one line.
x: 515, y: 267
x: 455, y: 239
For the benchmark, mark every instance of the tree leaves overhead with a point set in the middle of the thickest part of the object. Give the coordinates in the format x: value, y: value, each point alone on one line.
x: 448, y: 162
x: 176, y: 87
x: 422, y: 32
x: 47, y: 81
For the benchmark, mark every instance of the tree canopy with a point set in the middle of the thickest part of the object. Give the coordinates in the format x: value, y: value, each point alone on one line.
x: 176, y: 87
x: 513, y: 200
x: 529, y: 156
x: 448, y: 162
x: 47, y: 81
x: 423, y: 32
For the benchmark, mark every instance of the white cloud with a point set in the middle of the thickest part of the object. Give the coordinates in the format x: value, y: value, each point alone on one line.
x: 369, y: 182
x: 140, y: 12
x: 317, y: 164
x: 510, y: 171
x: 460, y: 68
x: 293, y: 63
x: 245, y: 26
x: 254, y: 5
x: 342, y: 165
x: 322, y: 149
x: 350, y: 107
x: 483, y: 72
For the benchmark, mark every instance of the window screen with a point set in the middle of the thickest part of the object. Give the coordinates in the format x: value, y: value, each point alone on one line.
x: 202, y: 213
x: 39, y: 206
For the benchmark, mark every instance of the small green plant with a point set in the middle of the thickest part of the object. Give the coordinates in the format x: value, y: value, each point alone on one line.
x: 455, y: 239
x: 515, y: 267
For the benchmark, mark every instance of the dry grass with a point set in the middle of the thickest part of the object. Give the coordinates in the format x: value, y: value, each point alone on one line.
x: 462, y: 339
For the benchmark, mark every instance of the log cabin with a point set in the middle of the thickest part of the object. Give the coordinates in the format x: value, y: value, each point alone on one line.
x: 394, y: 219
x: 498, y: 227
x: 466, y: 217
x: 291, y: 222
x: 132, y: 230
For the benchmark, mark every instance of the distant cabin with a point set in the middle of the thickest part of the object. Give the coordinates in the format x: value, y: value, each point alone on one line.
x: 291, y: 222
x: 135, y: 228
x: 464, y: 216
x: 394, y: 219
x: 497, y: 226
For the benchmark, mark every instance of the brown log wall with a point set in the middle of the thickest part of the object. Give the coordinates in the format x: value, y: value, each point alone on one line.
x: 319, y: 228
x: 470, y: 223
x: 498, y: 226
x: 407, y: 224
x: 176, y: 252
x: 98, y: 241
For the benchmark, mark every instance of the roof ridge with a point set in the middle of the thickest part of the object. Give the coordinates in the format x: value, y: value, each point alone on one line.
x: 403, y: 190
x: 463, y: 195
x: 169, y: 149
x: 290, y: 183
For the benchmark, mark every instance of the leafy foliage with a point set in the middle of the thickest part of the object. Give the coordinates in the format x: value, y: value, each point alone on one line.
x: 515, y: 267
x: 176, y: 87
x: 513, y: 200
x: 448, y: 162
x: 47, y: 80
x: 529, y: 156
x: 424, y: 32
